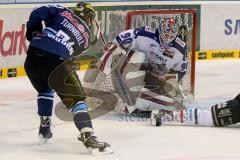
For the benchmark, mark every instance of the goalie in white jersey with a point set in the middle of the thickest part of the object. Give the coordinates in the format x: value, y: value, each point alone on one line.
x: 162, y: 47
x: 164, y: 51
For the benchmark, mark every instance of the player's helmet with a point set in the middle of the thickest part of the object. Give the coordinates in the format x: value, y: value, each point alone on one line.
x: 168, y: 30
x: 86, y: 12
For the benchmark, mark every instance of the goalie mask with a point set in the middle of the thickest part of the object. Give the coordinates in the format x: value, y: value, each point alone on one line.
x: 167, y: 30
x: 86, y: 12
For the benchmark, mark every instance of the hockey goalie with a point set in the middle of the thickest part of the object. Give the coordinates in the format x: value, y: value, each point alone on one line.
x: 151, y: 97
x: 156, y: 53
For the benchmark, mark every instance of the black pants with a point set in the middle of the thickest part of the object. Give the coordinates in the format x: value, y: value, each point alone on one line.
x: 48, y: 72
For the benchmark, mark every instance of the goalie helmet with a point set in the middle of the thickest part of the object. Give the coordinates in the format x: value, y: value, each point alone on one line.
x: 86, y: 12
x: 168, y: 30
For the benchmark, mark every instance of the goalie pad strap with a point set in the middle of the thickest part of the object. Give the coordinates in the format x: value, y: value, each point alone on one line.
x: 157, y: 100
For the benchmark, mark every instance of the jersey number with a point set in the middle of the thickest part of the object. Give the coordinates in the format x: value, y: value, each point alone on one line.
x: 126, y: 38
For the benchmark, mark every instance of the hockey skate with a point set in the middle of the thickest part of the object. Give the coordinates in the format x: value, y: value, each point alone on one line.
x: 188, y: 116
x: 158, y: 117
x: 93, y: 145
x: 44, y: 130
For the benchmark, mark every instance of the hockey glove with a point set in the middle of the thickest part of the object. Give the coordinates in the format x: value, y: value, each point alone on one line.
x: 33, y: 31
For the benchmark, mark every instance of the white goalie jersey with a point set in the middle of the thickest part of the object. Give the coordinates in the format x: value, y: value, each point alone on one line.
x: 164, y: 57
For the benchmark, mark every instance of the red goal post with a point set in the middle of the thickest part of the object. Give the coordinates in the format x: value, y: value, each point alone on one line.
x: 188, y: 17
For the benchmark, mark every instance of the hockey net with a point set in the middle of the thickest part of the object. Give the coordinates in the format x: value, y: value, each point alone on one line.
x: 122, y: 20
x: 186, y: 22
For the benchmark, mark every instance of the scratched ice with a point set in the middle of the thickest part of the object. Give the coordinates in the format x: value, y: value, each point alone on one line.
x: 215, y: 81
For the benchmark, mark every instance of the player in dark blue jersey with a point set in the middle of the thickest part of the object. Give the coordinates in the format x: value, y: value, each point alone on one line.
x: 49, y: 67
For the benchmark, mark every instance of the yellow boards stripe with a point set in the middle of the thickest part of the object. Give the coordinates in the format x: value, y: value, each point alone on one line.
x: 19, y: 70
x: 213, y: 55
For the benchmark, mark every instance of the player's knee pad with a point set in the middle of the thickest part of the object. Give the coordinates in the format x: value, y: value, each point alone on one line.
x: 79, y: 107
x: 226, y: 113
x: 45, y: 103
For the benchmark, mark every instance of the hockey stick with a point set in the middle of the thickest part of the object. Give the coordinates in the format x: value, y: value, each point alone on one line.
x: 92, y: 75
x: 100, y: 32
x: 94, y: 42
x: 186, y: 97
x: 113, y: 63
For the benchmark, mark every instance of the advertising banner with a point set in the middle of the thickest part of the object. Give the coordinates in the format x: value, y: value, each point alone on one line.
x: 218, y: 54
x: 13, y: 44
x: 220, y: 27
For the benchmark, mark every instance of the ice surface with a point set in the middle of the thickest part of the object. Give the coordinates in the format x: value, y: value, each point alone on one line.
x: 215, y: 81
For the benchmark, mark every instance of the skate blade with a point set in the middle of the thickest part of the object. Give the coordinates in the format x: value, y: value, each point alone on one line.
x: 42, y: 140
x: 95, y: 151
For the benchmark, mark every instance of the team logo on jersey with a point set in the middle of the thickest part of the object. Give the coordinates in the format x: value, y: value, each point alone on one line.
x: 149, y: 29
x: 180, y: 42
x: 168, y: 52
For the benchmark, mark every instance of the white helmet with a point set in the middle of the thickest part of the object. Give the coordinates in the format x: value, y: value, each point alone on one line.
x: 168, y: 30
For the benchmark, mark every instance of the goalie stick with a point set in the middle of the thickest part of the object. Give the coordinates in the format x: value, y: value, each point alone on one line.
x: 114, y: 62
x: 186, y: 97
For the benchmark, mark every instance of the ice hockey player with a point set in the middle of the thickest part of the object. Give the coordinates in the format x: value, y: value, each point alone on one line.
x: 164, y: 51
x: 218, y: 115
x: 65, y: 35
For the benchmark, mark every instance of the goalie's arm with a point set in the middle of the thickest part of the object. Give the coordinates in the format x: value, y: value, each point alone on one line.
x: 180, y: 60
x: 127, y: 40
x: 180, y: 66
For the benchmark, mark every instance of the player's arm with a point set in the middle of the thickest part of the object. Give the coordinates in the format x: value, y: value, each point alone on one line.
x: 219, y: 115
x: 127, y: 39
x: 180, y: 61
x: 180, y: 66
x: 44, y: 13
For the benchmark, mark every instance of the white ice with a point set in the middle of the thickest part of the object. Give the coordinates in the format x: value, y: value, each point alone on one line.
x: 132, y: 140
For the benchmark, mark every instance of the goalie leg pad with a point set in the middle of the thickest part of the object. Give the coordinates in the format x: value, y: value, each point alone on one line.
x: 226, y: 113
